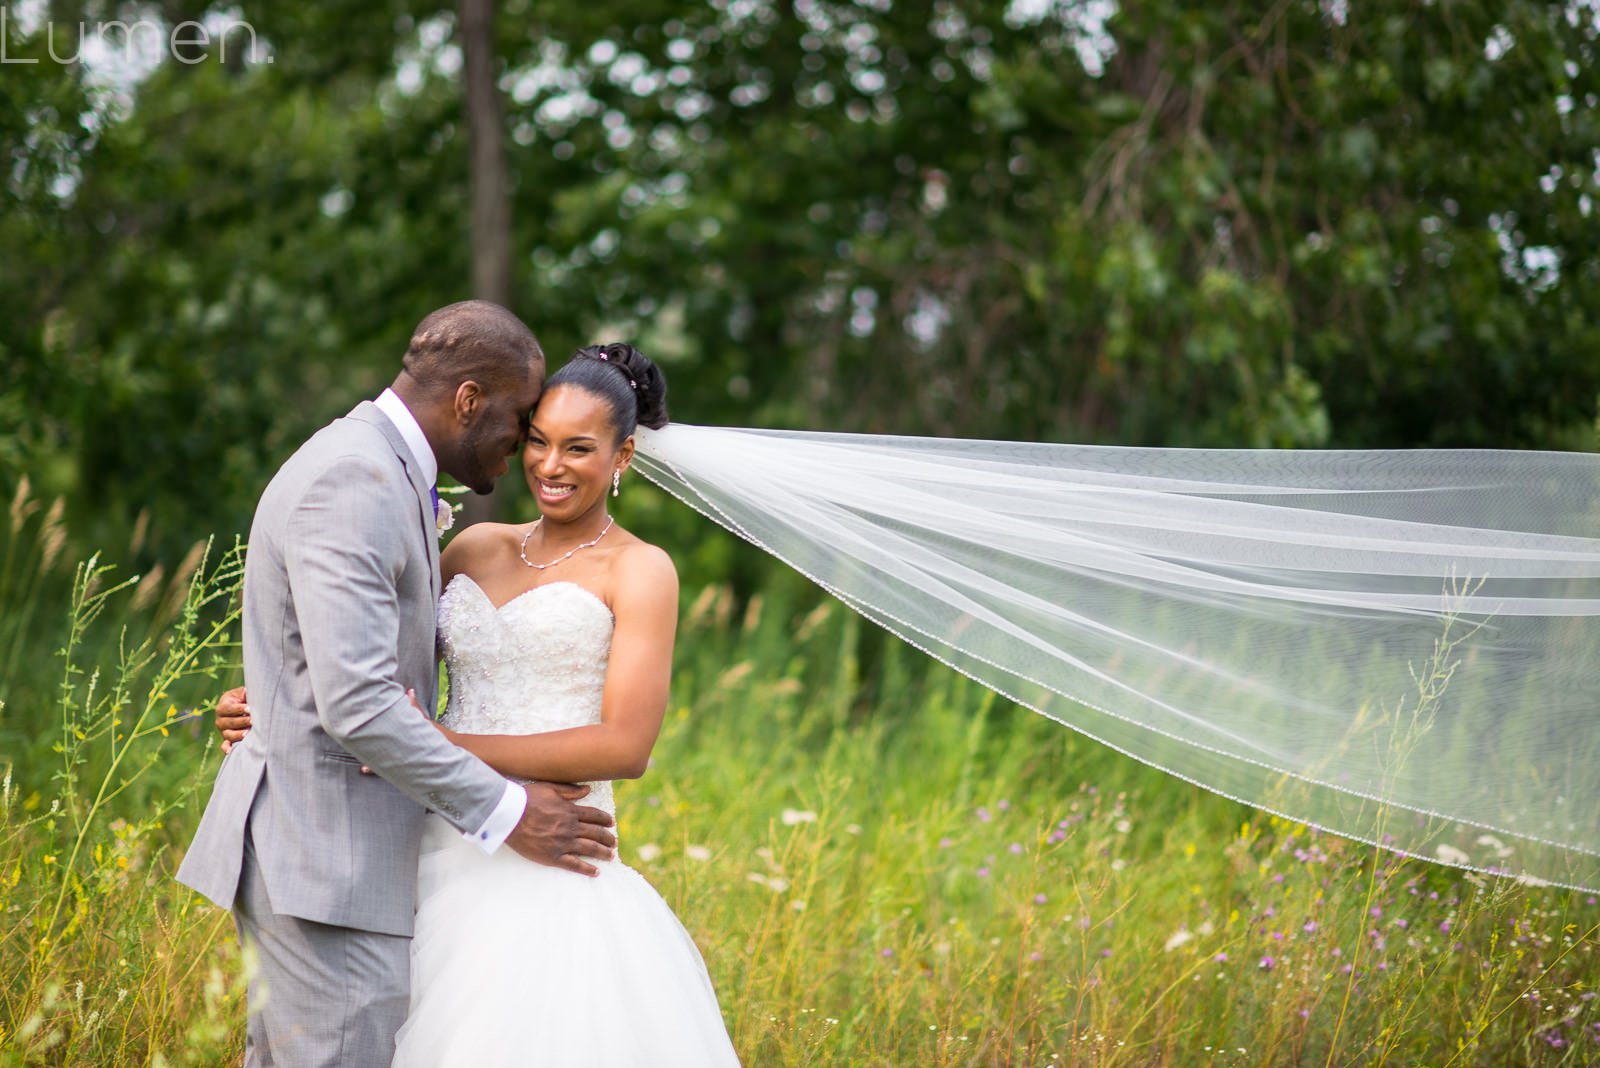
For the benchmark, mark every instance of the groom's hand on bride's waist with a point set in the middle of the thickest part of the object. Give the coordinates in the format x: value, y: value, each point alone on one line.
x: 554, y: 829
x: 557, y: 831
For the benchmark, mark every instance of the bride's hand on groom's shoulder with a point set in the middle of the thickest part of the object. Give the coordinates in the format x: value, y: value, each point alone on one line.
x: 558, y: 832
x: 233, y: 717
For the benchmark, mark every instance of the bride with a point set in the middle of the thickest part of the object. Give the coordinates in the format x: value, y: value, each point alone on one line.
x: 558, y: 641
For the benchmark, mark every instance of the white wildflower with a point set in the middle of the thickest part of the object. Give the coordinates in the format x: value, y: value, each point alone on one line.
x: 1499, y: 847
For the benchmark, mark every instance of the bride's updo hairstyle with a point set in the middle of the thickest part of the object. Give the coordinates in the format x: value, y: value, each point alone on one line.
x: 631, y: 386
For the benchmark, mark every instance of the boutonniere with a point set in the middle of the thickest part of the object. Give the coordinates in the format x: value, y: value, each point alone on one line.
x: 444, y: 516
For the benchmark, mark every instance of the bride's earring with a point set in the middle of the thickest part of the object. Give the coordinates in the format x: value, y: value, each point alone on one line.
x: 616, y: 482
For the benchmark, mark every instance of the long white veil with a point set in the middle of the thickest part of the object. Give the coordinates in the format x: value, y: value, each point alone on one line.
x: 1400, y: 647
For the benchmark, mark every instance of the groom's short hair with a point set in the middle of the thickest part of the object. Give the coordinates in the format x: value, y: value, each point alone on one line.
x: 474, y: 339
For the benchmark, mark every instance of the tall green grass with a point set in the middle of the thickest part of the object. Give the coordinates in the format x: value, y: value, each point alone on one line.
x: 882, y: 863
x: 105, y: 959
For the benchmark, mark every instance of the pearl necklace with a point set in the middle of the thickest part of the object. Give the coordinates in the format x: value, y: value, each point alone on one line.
x: 523, y: 552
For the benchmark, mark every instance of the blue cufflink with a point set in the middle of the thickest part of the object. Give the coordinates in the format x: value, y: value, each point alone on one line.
x: 483, y: 836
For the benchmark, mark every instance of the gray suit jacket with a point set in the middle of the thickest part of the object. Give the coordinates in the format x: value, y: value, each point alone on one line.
x: 340, y: 589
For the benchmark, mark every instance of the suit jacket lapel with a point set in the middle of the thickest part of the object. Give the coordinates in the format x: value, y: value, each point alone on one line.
x: 368, y: 412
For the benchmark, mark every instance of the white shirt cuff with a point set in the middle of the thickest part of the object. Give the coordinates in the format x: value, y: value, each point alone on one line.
x: 502, y: 821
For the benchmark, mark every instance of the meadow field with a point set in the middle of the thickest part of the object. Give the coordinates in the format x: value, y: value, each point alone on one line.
x: 883, y: 864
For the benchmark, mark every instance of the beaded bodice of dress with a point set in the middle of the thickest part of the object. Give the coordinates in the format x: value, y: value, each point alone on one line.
x: 537, y: 663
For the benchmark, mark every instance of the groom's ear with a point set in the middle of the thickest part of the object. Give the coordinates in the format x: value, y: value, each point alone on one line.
x: 469, y: 400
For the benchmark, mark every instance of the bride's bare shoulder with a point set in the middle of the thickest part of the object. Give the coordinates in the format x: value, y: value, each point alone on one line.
x: 641, y: 564
x: 477, y: 546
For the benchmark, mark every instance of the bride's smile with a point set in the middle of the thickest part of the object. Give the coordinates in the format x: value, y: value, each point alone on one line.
x: 553, y: 491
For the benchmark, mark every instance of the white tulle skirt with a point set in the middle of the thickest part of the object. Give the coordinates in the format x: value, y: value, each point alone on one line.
x: 515, y: 964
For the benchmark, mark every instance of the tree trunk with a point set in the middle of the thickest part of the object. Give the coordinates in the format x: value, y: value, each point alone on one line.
x: 491, y: 202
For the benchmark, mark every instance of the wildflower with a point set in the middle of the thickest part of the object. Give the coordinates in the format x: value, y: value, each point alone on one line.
x: 983, y: 873
x: 1105, y: 952
x: 1036, y: 956
x: 1221, y: 958
x: 1178, y: 938
x: 648, y: 852
x: 1310, y: 927
x: 983, y: 815
x: 945, y: 843
x: 794, y: 816
x: 1451, y: 855
x: 1267, y: 964
x: 1016, y: 848
x: 852, y: 828
x: 1003, y: 804
x: 1496, y: 844
x: 1123, y: 826
x: 1039, y: 899
x: 697, y: 852
x: 888, y: 953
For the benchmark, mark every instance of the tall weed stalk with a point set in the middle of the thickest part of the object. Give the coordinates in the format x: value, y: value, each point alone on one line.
x: 108, y: 962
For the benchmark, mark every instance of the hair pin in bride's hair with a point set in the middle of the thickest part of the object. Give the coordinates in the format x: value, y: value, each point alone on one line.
x: 631, y: 383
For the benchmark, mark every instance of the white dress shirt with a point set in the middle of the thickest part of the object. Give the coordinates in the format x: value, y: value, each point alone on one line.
x: 503, y: 820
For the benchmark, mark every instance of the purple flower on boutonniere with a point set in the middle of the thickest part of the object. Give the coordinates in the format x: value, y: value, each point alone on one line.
x: 444, y: 517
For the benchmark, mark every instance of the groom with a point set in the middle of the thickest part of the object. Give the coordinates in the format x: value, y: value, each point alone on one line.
x: 318, y: 861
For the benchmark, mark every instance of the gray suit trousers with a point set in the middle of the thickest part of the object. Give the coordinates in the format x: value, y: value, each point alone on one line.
x: 294, y: 1023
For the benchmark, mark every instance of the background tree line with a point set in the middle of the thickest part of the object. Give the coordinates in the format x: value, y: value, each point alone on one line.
x: 1296, y: 224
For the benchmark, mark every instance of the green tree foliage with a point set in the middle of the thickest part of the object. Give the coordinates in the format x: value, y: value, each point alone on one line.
x: 1288, y: 224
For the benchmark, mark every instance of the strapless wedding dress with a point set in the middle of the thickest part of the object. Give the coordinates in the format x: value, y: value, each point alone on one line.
x: 517, y: 964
